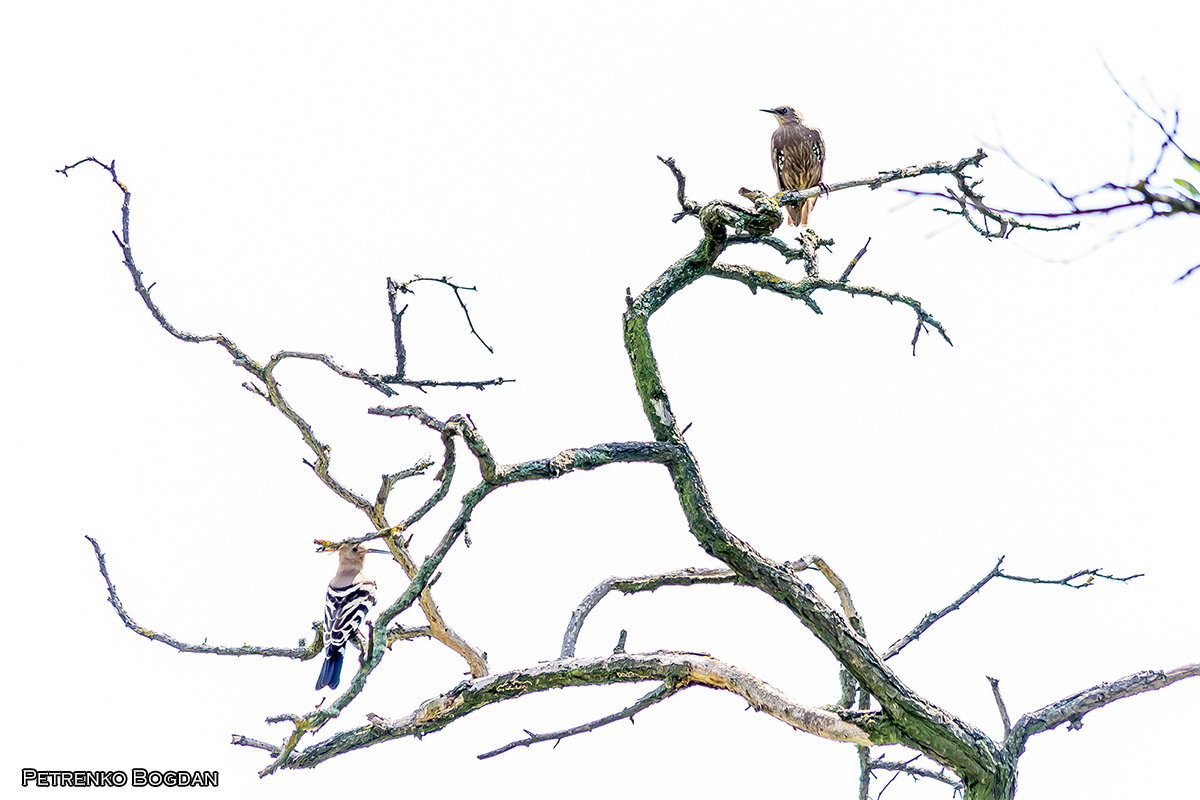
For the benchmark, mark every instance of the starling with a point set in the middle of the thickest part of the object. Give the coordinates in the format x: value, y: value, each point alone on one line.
x: 351, y: 595
x: 798, y: 156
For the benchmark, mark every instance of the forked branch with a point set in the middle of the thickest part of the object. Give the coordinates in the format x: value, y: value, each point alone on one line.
x: 1076, y: 580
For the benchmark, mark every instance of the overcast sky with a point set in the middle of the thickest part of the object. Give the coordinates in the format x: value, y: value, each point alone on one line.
x: 286, y: 158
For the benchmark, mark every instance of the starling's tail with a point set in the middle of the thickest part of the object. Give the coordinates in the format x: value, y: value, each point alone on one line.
x: 796, y: 214
x: 803, y: 210
x: 331, y: 670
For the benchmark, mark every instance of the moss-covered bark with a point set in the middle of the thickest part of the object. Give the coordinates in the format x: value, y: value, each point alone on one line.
x: 920, y: 724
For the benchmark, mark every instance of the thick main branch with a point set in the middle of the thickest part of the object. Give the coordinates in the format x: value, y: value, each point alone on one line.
x: 951, y: 741
x: 680, y: 669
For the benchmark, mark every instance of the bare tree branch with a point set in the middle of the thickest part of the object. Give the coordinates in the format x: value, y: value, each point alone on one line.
x: 864, y: 770
x: 979, y: 215
x: 377, y: 382
x: 687, y: 207
x: 683, y: 669
x: 245, y: 741
x: 643, y: 583
x: 387, y: 482
x: 374, y: 511
x: 933, y: 730
x: 457, y: 289
x: 854, y: 261
x: 580, y: 458
x: 803, y: 289
x: 689, y: 576
x: 660, y: 693
x: 1169, y: 135
x: 797, y: 196
x: 1072, y: 709
x: 495, y: 476
x: 302, y: 653
x: 907, y: 768
x: 1076, y: 580
x: 934, y: 616
x: 986, y: 768
x: 1072, y: 581
x: 1000, y: 704
x: 839, y: 586
x: 393, y: 289
x: 274, y: 395
x: 1156, y: 196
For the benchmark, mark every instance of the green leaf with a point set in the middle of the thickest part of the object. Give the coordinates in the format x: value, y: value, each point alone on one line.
x: 1195, y: 164
x: 1187, y: 186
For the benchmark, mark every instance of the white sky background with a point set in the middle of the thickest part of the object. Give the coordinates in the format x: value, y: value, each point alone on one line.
x: 286, y: 158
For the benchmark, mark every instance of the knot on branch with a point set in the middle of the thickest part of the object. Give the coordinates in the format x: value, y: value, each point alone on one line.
x: 562, y: 463
x: 767, y: 214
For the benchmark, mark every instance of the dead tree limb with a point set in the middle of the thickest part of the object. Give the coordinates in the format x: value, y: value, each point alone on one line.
x: 986, y: 768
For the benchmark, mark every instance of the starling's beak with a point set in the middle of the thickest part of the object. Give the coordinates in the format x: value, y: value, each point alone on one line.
x: 385, y: 552
x: 767, y: 110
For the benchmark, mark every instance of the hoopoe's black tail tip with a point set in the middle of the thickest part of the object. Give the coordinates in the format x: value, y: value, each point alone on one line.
x: 331, y: 670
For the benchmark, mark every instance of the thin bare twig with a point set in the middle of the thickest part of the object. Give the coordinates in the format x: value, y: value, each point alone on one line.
x: 1175, y: 197
x: 403, y: 288
x: 1000, y: 704
x: 797, y: 196
x: 934, y: 616
x: 660, y: 693
x: 854, y: 261
x: 908, y: 768
x: 387, y: 482
x: 1169, y: 135
x: 245, y: 741
x: 393, y: 289
x: 1187, y: 273
x: 804, y: 288
x: 1076, y: 580
x: 302, y: 653
x: 1072, y: 581
x: 687, y: 207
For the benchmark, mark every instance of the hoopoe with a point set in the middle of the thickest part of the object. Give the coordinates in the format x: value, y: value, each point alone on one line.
x: 351, y: 595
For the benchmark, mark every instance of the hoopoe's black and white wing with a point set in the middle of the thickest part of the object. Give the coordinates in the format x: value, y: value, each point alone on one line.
x: 346, y: 609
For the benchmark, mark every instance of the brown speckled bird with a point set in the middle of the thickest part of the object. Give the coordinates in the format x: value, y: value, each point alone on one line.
x: 798, y: 156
